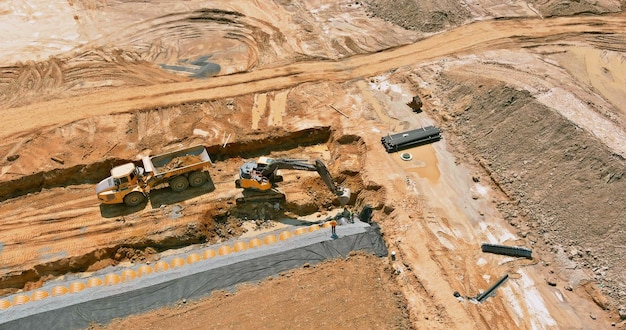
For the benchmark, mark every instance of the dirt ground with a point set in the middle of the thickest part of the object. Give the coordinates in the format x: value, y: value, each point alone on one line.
x: 530, y: 96
x: 359, y: 292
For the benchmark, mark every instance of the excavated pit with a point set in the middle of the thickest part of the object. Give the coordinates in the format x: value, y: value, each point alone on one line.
x: 221, y: 220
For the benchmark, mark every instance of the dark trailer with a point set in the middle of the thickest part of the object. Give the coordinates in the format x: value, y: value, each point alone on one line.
x: 410, y: 139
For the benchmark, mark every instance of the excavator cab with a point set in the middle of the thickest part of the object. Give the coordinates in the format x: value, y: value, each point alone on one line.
x: 267, y: 167
x: 250, y: 177
x: 261, y: 175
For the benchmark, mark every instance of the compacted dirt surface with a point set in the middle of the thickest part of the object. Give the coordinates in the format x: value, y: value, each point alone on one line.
x: 530, y: 97
x: 327, y: 295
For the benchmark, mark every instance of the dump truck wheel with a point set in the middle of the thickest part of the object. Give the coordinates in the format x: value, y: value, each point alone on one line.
x: 197, y: 179
x: 135, y: 198
x: 179, y: 183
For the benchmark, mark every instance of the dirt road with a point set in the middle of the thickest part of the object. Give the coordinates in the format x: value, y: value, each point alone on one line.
x: 475, y: 37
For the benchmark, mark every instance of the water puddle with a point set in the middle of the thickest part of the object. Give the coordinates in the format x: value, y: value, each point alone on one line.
x: 423, y: 162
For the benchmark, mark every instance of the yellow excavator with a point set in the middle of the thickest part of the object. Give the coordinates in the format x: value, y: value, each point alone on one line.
x: 258, y: 178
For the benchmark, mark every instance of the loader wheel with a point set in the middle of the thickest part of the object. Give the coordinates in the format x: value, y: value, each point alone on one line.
x: 179, y: 183
x: 135, y: 198
x: 197, y: 179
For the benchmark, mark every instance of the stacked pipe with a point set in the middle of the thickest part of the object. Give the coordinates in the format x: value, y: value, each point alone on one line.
x: 409, y: 139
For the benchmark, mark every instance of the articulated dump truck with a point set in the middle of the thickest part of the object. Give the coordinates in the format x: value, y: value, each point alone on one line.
x: 131, y: 184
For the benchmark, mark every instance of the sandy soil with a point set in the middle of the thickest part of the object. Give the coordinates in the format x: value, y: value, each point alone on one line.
x: 359, y: 291
x: 531, y: 107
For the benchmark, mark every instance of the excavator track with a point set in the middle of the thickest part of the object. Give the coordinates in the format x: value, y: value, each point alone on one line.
x: 269, y: 196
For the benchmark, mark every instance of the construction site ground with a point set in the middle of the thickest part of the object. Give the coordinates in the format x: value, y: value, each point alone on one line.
x: 530, y: 97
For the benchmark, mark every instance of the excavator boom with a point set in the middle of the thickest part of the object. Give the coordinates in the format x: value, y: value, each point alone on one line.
x: 270, y: 166
x: 261, y: 175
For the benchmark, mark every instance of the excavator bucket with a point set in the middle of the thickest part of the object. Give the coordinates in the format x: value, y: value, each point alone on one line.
x: 343, y: 194
x: 344, y: 197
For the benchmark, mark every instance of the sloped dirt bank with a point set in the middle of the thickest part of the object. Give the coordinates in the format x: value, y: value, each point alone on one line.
x: 423, y: 16
x: 60, y: 177
x: 569, y: 8
x: 565, y: 187
x: 137, y: 250
x: 256, y: 144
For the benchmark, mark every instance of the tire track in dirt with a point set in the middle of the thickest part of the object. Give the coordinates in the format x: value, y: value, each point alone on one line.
x: 162, y: 39
x: 470, y: 38
x: 68, y: 230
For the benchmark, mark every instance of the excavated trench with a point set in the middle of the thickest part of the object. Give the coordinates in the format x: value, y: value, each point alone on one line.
x: 223, y: 219
x: 249, y: 146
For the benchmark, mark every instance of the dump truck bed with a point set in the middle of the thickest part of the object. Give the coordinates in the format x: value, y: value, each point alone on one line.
x: 176, y: 162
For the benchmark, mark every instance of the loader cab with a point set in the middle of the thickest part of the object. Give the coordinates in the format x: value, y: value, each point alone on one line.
x: 125, y: 176
x: 123, y: 180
